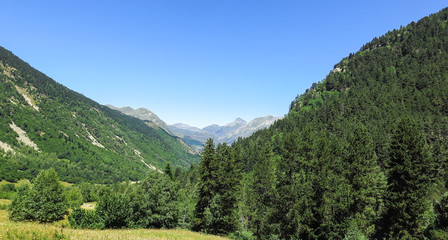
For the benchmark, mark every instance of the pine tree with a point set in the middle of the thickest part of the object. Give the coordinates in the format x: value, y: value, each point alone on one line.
x: 410, y: 178
x: 169, y: 171
x: 263, y: 188
x: 367, y: 179
x: 207, y: 184
x: 228, y: 180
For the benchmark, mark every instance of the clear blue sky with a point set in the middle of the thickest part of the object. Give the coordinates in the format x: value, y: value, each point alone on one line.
x: 197, y: 62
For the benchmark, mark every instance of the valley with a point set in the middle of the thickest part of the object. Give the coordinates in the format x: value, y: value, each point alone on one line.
x: 361, y: 154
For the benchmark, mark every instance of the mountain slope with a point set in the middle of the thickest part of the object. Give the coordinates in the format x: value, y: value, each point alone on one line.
x: 44, y: 124
x: 150, y: 118
x: 379, y: 118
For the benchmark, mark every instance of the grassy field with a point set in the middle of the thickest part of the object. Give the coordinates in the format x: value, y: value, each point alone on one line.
x: 61, y: 230
x: 21, y: 181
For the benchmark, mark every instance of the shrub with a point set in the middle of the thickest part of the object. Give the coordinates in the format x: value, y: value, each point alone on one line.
x: 81, y: 218
x: 73, y: 197
x: 242, y: 235
x: 114, y: 210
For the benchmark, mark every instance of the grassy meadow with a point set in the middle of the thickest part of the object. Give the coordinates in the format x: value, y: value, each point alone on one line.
x: 62, y: 230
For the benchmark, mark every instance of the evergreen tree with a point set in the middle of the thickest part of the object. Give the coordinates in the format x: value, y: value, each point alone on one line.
x: 207, y: 184
x: 367, y: 179
x: 263, y: 190
x: 216, y: 210
x: 410, y: 178
x: 228, y: 180
x: 169, y: 171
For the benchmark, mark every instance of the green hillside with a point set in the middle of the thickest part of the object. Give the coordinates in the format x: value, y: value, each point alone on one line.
x: 361, y: 155
x: 81, y: 139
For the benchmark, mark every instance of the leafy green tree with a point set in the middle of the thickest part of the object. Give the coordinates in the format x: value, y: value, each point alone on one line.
x: 21, y: 204
x: 160, y: 198
x: 113, y: 209
x: 43, y: 202
x: 73, y: 197
x: 48, y: 195
x: 410, y: 179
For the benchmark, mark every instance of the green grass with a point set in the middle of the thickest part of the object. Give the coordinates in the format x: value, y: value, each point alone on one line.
x: 4, y: 204
x: 62, y: 230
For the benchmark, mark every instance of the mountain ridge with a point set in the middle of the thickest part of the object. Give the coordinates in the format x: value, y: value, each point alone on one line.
x: 228, y: 133
x: 44, y: 124
x: 195, y: 136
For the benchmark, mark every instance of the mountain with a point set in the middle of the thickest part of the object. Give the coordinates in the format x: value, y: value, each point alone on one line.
x: 196, y: 137
x: 44, y: 124
x: 228, y: 133
x: 362, y: 154
x: 150, y: 118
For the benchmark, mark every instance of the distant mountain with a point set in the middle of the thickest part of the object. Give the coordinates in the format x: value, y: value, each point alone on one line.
x: 196, y: 137
x: 46, y: 125
x: 228, y: 133
x: 150, y: 118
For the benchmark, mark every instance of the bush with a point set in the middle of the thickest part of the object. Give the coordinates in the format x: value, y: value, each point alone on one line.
x: 73, y: 197
x: 9, y: 187
x: 242, y: 235
x: 114, y: 210
x: 81, y: 218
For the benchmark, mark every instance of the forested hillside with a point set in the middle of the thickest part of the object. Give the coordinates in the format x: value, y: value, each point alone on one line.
x: 361, y: 154
x: 44, y: 124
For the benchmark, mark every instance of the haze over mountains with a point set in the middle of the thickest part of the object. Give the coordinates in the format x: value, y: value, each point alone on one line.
x: 195, y: 136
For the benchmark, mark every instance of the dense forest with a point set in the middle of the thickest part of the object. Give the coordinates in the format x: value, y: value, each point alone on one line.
x: 360, y: 155
x: 81, y: 139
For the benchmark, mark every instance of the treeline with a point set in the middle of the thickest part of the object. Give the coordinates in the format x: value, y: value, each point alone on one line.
x: 161, y: 200
x: 312, y: 184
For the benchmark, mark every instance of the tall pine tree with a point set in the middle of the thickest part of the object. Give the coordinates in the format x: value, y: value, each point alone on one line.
x: 367, y: 179
x: 207, y: 184
x: 410, y: 179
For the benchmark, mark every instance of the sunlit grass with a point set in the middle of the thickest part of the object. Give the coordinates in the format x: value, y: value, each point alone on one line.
x: 22, y: 181
x: 88, y: 205
x: 61, y: 230
x: 66, y: 184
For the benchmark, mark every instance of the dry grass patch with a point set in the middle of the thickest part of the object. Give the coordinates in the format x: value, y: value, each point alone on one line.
x: 66, y: 184
x: 88, y: 205
x: 61, y: 230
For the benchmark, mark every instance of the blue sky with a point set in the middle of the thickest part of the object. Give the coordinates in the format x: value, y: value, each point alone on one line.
x: 197, y: 62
